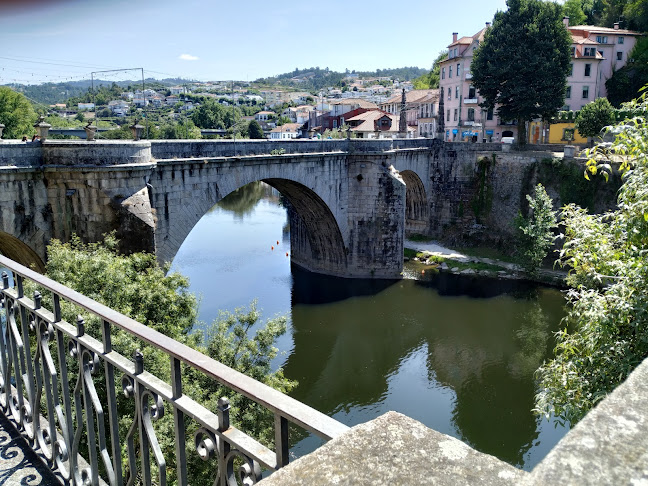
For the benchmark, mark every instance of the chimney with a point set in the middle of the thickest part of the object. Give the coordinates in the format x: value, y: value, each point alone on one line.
x: 616, y: 25
x: 487, y: 25
x: 454, y: 36
x: 566, y: 21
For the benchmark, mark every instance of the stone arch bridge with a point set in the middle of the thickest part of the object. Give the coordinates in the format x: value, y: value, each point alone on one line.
x: 353, y: 200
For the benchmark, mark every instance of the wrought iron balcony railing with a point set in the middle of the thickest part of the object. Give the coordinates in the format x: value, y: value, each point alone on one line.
x: 49, y: 389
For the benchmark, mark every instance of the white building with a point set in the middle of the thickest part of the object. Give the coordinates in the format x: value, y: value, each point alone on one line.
x: 285, y: 131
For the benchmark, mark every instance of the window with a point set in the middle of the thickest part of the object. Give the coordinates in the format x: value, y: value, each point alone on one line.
x: 448, y: 117
x: 619, y: 56
x: 588, y: 69
x: 620, y: 40
x: 572, y: 51
x: 568, y: 92
x: 455, y: 52
x: 601, y: 39
x: 458, y: 69
x: 489, y: 114
x: 457, y: 92
x: 450, y: 71
x: 589, y: 52
x: 449, y: 94
x: 571, y: 69
x: 568, y: 134
x: 442, y: 73
x: 585, y: 92
x: 471, y: 114
x: 450, y: 56
x: 472, y: 93
x: 455, y: 114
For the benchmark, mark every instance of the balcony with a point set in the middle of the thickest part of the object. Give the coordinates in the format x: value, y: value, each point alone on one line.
x: 470, y: 101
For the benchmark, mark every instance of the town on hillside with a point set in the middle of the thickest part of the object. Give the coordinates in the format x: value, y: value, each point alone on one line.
x: 317, y: 103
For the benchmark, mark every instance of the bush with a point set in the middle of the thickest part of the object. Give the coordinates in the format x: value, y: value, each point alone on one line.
x: 535, y: 233
x: 608, y: 299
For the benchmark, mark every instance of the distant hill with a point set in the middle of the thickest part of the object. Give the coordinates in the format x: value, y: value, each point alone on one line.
x: 315, y: 78
x: 52, y: 93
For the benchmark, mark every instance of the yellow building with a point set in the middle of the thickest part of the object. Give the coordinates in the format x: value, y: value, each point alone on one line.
x: 558, y: 133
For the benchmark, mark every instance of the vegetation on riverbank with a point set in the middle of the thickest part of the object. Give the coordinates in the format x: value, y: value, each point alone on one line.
x: 136, y: 286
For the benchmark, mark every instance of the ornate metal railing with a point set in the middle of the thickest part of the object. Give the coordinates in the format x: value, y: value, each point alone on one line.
x: 49, y: 389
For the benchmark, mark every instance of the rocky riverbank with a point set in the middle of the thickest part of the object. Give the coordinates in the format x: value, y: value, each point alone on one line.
x: 431, y: 256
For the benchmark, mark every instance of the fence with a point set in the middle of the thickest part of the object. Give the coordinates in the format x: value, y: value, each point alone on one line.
x: 49, y: 389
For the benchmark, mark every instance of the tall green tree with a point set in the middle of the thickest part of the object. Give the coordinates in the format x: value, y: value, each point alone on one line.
x: 574, y: 10
x: 521, y: 67
x: 255, y: 131
x: 636, y: 13
x: 605, y: 333
x: 431, y: 79
x: 16, y: 113
x: 625, y: 83
x: 594, y: 116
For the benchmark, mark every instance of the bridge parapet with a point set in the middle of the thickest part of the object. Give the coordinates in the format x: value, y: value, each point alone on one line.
x: 38, y: 348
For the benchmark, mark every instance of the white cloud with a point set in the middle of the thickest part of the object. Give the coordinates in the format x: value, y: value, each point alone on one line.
x: 188, y: 57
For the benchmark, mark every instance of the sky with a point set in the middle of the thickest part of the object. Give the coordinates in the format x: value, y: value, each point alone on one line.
x: 60, y: 40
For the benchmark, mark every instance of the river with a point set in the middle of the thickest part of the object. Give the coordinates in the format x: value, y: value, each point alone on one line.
x: 454, y: 352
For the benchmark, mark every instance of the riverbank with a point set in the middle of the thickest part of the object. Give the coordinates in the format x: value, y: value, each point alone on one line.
x: 430, y: 255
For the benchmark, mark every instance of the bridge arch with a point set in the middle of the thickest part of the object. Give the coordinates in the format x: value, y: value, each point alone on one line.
x: 20, y: 252
x: 316, y: 240
x: 417, y: 210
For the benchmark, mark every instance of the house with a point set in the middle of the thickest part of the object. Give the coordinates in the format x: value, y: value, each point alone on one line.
x: 596, y: 53
x: 176, y: 90
x: 285, y: 131
x: 85, y: 106
x: 264, y: 116
x: 376, y: 124
x: 418, y: 103
x: 171, y: 100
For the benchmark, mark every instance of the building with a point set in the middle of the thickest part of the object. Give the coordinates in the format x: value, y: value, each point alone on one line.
x: 85, y: 106
x: 376, y: 124
x: 419, y: 104
x: 596, y: 53
x: 264, y: 116
x: 285, y: 131
x: 176, y: 90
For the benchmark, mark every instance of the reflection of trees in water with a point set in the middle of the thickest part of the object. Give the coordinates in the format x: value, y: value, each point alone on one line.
x: 488, y: 379
x: 243, y: 201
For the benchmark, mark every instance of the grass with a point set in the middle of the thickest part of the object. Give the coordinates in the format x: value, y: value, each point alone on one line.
x: 452, y: 263
x: 419, y: 238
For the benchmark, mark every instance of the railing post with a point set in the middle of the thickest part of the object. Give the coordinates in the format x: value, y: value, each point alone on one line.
x: 224, y: 447
x: 178, y: 418
x: 112, y: 404
x: 281, y: 440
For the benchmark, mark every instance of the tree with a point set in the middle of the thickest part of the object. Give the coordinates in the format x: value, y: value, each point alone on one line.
x: 79, y: 116
x: 136, y: 286
x: 431, y: 79
x: 625, y: 83
x: 255, y: 131
x: 530, y: 80
x: 594, y: 116
x: 16, y: 113
x: 535, y: 233
x: 636, y: 13
x: 574, y: 10
x: 605, y: 333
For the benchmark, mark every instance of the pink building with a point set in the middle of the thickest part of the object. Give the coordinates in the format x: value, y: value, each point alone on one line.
x: 596, y: 53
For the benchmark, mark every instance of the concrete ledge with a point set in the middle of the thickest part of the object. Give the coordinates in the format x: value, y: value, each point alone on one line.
x: 609, y: 446
x: 395, y: 450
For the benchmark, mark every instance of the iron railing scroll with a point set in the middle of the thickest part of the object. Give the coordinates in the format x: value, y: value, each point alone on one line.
x: 50, y: 390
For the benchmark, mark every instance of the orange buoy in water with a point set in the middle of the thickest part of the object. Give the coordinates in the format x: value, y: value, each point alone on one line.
x: 272, y: 248
x: 286, y: 253
x: 422, y: 271
x: 277, y: 242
